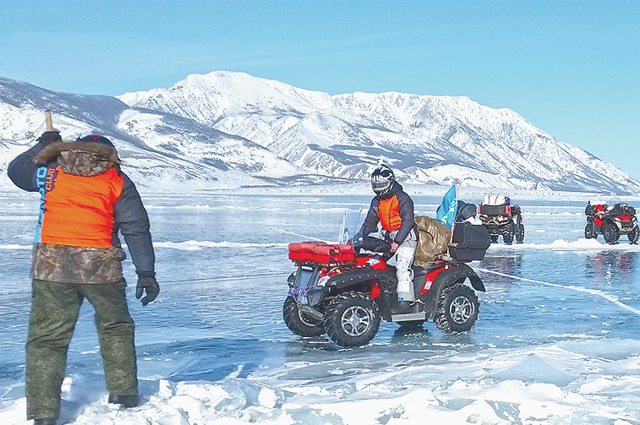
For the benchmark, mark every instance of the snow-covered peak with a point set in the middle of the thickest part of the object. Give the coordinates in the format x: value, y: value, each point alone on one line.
x: 207, y: 97
x: 222, y: 123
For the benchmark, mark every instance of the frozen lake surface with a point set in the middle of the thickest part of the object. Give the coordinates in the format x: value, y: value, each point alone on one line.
x: 556, y: 341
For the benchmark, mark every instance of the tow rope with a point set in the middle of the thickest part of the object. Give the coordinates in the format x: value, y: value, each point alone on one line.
x: 302, y: 236
x: 231, y: 278
x: 607, y: 297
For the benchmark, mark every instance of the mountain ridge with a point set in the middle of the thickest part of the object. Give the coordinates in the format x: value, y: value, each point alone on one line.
x: 236, y: 129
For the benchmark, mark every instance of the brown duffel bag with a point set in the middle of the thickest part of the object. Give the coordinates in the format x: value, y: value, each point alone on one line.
x: 433, y: 240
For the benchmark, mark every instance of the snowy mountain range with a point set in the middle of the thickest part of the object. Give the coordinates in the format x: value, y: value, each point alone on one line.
x: 227, y: 129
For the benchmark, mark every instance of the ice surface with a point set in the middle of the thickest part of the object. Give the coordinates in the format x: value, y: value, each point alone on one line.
x: 554, y: 343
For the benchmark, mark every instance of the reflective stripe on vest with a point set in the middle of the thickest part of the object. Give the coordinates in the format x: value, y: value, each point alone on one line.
x: 389, y: 214
x: 78, y: 210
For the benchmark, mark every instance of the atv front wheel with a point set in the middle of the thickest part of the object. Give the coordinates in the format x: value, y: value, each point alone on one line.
x: 457, y: 309
x: 633, y: 235
x: 589, y: 231
x: 520, y: 233
x: 352, y: 319
x: 494, y: 238
x: 610, y: 233
x: 298, y: 322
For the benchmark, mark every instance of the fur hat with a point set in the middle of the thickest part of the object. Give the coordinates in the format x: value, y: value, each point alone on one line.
x: 98, y: 145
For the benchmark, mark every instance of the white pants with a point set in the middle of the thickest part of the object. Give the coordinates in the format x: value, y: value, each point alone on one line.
x: 404, y: 259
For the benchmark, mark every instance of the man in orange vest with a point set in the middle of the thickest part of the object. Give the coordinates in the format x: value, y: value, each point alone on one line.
x: 85, y: 200
x: 393, y: 209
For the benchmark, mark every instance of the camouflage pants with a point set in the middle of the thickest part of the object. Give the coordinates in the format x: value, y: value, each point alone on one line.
x: 54, y: 312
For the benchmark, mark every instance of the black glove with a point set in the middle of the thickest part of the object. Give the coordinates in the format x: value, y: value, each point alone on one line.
x: 49, y: 137
x: 147, y: 283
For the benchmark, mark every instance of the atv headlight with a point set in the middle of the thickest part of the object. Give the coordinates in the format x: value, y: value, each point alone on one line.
x: 291, y: 279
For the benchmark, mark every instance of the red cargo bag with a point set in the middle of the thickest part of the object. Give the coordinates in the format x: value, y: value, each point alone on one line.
x: 333, y: 254
x: 321, y: 253
x: 301, y: 251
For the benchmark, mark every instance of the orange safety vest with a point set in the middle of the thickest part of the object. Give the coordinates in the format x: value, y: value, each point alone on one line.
x: 389, y: 214
x: 78, y: 210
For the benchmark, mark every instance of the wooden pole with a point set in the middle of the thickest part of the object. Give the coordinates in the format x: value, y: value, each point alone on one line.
x: 47, y: 114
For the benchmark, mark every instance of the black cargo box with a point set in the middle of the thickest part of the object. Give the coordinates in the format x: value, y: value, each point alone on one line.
x: 469, y: 241
x: 487, y: 209
x: 622, y: 209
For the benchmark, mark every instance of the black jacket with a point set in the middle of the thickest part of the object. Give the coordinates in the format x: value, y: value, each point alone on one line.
x: 130, y: 216
x: 405, y: 206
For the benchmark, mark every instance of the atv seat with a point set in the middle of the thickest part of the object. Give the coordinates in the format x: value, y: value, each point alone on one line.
x: 419, y: 271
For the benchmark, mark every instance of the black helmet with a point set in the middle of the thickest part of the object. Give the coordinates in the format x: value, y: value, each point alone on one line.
x: 382, y: 180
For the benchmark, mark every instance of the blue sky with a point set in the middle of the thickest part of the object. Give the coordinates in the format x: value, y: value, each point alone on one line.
x: 572, y: 68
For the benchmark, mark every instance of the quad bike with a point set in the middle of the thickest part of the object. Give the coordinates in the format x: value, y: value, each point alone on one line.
x: 346, y: 290
x: 502, y: 218
x: 611, y: 222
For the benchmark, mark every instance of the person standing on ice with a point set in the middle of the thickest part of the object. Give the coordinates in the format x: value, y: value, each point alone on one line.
x: 393, y: 209
x: 85, y: 200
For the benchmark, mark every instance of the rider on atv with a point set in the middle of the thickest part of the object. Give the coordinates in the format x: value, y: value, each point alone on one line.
x: 611, y: 222
x: 393, y: 209
x: 346, y: 290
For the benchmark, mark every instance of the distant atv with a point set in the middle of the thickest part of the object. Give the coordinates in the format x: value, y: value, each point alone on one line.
x: 501, y: 218
x: 611, y: 222
x: 346, y: 290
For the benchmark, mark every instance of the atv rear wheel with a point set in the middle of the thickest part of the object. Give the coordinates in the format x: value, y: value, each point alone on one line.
x: 610, y: 233
x: 298, y: 322
x: 520, y: 233
x: 457, y: 309
x: 508, y: 237
x: 633, y: 235
x: 352, y: 319
x: 589, y: 231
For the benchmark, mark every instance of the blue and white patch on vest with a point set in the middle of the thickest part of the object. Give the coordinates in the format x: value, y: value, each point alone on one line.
x: 45, y: 180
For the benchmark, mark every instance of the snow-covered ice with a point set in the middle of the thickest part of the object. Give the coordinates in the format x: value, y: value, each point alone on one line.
x: 556, y: 341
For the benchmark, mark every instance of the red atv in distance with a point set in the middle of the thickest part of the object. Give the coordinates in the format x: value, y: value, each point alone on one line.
x: 501, y: 218
x: 346, y: 290
x: 611, y: 222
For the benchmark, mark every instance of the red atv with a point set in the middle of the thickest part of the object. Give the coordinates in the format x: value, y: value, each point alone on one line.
x: 611, y: 222
x: 502, y: 218
x: 346, y: 290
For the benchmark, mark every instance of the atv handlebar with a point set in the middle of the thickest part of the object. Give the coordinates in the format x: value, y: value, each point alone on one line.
x: 379, y: 246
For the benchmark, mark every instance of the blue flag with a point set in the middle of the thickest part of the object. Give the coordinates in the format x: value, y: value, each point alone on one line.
x: 446, y: 213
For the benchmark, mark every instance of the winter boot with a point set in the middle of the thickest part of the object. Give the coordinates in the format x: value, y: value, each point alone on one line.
x: 44, y: 421
x: 125, y: 401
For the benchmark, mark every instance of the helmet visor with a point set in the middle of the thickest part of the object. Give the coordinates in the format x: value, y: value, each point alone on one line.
x: 380, y: 185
